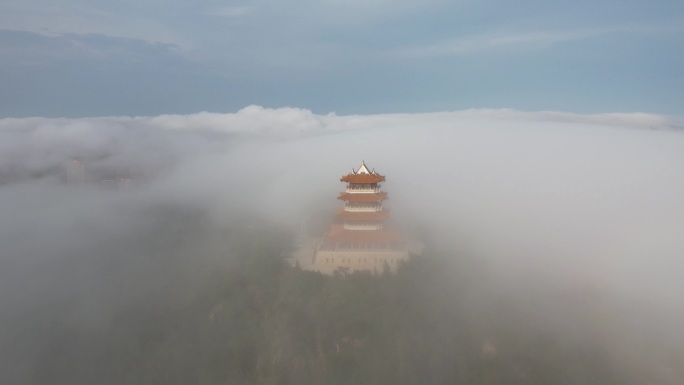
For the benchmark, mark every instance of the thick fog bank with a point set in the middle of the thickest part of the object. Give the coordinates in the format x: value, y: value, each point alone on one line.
x: 560, y: 208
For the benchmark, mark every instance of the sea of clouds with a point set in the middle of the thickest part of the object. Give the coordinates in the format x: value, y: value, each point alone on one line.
x: 557, y: 199
x: 603, y: 191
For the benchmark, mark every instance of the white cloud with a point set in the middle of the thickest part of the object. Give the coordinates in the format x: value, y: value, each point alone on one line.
x: 40, y: 144
x: 287, y: 121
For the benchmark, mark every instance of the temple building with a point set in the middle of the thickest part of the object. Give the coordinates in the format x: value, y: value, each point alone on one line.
x: 75, y: 171
x: 360, y: 238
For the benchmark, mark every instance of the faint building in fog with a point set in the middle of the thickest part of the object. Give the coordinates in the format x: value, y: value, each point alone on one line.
x: 107, y: 178
x: 116, y: 180
x: 75, y: 171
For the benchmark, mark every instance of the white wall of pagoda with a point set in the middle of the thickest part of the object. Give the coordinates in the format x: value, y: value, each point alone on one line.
x: 363, y: 225
x: 329, y: 261
x: 362, y: 207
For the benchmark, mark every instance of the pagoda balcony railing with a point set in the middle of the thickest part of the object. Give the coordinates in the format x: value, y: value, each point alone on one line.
x: 369, y: 209
x: 362, y: 190
x: 366, y: 226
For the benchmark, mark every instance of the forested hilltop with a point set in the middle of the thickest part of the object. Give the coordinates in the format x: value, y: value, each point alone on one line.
x: 191, y: 302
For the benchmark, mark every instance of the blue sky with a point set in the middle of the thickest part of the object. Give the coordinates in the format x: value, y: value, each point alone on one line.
x: 78, y: 58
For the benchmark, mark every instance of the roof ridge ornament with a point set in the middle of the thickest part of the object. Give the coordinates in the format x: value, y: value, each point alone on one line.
x: 363, y: 169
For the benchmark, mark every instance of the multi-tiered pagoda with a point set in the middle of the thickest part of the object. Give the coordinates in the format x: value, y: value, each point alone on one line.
x: 360, y: 238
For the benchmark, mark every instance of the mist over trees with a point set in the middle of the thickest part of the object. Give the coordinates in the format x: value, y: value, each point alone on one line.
x: 553, y: 250
x: 170, y: 309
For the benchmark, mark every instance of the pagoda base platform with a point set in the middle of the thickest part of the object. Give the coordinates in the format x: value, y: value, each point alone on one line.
x: 376, y: 261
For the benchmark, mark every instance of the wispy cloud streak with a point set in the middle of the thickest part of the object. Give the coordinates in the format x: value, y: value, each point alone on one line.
x: 522, y: 40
